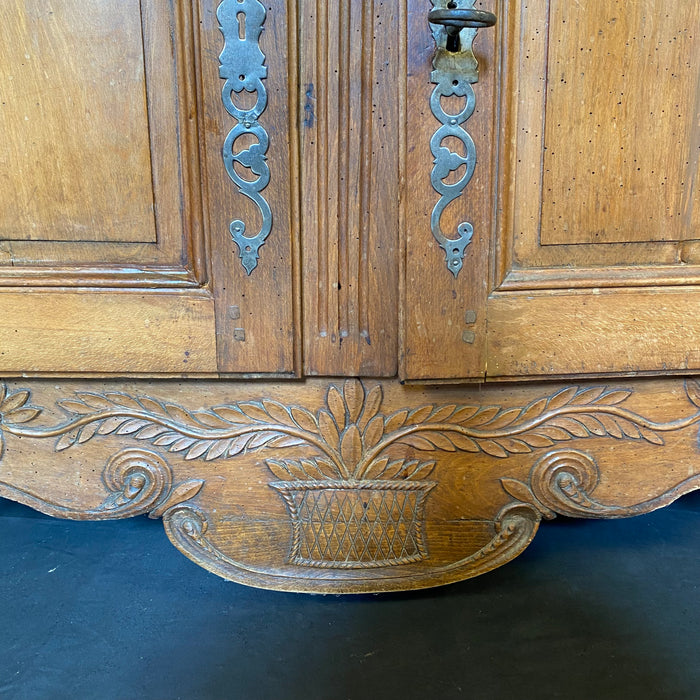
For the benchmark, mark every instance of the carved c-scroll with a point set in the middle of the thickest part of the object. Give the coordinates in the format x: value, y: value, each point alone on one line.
x: 137, y: 482
x: 563, y: 481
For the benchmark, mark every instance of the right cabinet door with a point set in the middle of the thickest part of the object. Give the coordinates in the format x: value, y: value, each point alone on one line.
x: 586, y: 194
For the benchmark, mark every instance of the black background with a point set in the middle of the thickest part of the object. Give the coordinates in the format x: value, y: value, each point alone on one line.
x: 592, y: 610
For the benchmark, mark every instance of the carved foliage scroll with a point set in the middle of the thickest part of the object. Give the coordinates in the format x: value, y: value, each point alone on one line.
x: 136, y: 481
x: 563, y: 481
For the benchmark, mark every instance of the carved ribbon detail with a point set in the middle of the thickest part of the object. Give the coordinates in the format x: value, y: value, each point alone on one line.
x: 453, y: 74
x: 243, y: 68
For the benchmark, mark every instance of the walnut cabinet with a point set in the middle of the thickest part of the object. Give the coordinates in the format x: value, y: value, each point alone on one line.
x: 351, y: 295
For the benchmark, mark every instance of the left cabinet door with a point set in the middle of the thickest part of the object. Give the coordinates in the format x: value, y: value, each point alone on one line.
x: 104, y: 241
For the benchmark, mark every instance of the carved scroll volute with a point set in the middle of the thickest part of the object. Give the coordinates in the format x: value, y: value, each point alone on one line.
x: 563, y: 482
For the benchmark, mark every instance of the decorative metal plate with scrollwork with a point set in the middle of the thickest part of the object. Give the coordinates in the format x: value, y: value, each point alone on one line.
x: 455, y: 70
x: 243, y: 68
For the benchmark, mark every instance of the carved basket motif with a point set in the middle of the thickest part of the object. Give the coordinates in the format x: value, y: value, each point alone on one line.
x: 356, y: 524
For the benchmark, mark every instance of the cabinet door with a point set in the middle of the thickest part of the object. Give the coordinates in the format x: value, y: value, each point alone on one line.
x: 105, y: 208
x: 596, y: 229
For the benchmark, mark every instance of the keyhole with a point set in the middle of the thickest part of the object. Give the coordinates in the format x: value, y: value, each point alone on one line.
x: 453, y: 43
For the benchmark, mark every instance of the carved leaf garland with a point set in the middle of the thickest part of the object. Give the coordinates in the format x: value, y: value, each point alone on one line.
x: 14, y: 409
x: 692, y: 389
x: 348, y: 434
x: 568, y: 414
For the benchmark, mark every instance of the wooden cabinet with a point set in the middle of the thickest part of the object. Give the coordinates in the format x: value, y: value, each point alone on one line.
x: 243, y: 246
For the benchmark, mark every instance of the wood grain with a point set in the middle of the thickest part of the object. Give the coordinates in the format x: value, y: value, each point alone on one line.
x: 349, y: 186
x: 104, y: 333
x: 531, y: 128
x: 587, y: 302
x: 620, y: 78
x: 74, y: 100
x: 445, y: 484
x: 603, y: 331
x: 353, y: 485
x: 96, y: 305
x: 156, y: 48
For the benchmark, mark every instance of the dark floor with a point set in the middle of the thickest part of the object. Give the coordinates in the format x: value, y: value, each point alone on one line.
x: 593, y: 610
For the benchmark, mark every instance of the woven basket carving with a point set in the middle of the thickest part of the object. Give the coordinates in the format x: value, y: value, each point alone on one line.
x: 356, y: 524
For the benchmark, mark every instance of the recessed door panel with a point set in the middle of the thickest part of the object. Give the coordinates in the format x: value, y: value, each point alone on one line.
x: 73, y: 96
x: 606, y: 177
x: 597, y: 264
